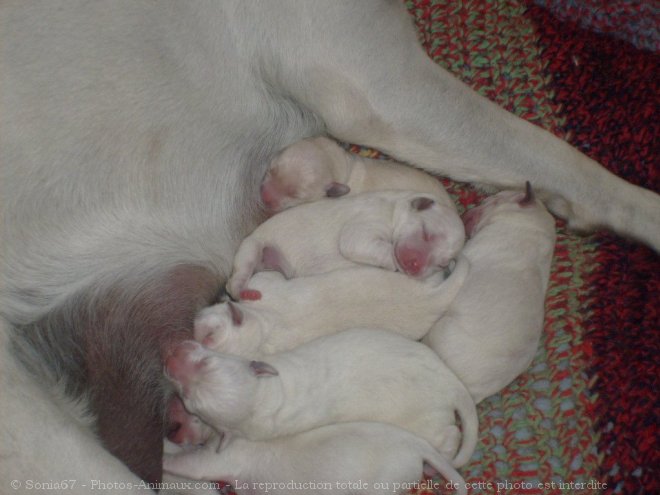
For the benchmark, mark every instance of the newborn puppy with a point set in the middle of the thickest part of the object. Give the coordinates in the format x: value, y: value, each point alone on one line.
x: 357, y: 375
x: 396, y: 230
x: 291, y: 312
x: 316, y: 168
x: 491, y: 331
x: 344, y: 458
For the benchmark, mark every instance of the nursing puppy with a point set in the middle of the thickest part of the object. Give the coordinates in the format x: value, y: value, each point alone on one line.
x: 357, y: 375
x: 291, y: 312
x: 318, y: 167
x: 395, y: 230
x: 490, y: 333
x: 343, y: 458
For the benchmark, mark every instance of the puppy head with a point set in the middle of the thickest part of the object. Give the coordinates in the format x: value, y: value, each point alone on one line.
x: 427, y: 235
x: 522, y: 204
x: 302, y: 173
x: 219, y: 388
x: 231, y: 327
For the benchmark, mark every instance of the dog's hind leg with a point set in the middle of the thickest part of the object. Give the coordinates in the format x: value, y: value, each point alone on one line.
x: 374, y: 85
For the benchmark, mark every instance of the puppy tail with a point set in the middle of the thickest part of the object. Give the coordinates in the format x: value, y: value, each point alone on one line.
x: 442, y: 465
x: 467, y: 411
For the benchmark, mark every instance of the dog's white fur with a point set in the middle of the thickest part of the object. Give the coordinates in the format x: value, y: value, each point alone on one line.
x: 291, y: 312
x: 135, y: 136
x: 491, y: 331
x: 363, y: 454
x: 307, y: 170
x: 385, y: 229
x: 356, y: 375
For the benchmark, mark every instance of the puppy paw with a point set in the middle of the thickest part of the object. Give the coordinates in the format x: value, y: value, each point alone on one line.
x: 250, y: 295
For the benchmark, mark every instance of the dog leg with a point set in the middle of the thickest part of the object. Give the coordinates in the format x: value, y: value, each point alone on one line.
x: 375, y: 86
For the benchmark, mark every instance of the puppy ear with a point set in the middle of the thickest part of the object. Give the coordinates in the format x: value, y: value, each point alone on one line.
x: 263, y: 369
x: 236, y: 314
x: 421, y: 203
x: 529, y: 198
x: 336, y: 189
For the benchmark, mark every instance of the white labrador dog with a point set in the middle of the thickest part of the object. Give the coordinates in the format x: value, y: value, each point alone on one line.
x: 135, y: 137
x: 396, y: 230
x: 318, y: 167
x: 347, y: 458
x: 497, y: 318
x: 292, y: 312
x: 356, y: 375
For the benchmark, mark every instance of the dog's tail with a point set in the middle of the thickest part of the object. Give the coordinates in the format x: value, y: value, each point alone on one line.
x: 467, y: 411
x: 441, y: 464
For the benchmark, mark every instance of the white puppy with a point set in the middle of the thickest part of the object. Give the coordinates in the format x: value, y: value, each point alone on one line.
x: 491, y: 331
x: 362, y: 457
x: 395, y: 230
x: 318, y: 167
x: 291, y: 312
x: 357, y: 375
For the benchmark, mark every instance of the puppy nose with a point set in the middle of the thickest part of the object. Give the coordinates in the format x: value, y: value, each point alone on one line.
x: 411, y: 261
x: 411, y: 265
x: 269, y: 197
